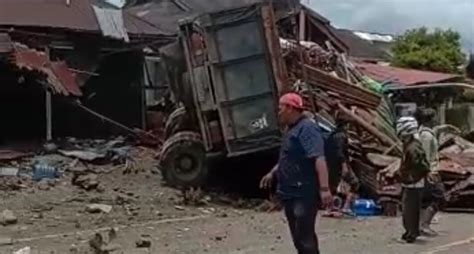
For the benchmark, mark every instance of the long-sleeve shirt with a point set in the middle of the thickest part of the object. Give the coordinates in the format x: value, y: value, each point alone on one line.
x: 415, y: 166
x: 430, y: 145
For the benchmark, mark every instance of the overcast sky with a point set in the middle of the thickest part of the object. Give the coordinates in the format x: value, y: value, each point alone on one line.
x: 395, y: 16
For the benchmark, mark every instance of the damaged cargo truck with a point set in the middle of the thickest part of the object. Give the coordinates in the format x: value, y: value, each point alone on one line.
x: 222, y: 79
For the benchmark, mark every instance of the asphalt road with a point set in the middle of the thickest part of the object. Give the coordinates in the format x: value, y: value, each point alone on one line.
x: 248, y: 232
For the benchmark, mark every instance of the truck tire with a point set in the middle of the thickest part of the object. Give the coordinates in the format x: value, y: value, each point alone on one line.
x: 183, y: 160
x: 177, y: 121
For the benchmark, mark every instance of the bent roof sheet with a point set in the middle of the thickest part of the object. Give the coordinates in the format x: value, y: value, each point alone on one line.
x: 403, y: 76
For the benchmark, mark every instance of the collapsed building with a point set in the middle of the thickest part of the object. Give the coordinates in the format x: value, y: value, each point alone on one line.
x: 94, y: 68
x: 58, y: 54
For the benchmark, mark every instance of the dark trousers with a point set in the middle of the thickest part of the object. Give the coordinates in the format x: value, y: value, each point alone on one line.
x: 301, y: 216
x: 411, y: 211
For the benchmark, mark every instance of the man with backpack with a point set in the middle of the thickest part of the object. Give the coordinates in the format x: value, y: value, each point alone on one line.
x: 413, y: 171
x: 433, y: 195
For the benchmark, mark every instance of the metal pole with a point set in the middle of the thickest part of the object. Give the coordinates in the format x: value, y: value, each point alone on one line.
x: 49, y: 109
x: 49, y: 117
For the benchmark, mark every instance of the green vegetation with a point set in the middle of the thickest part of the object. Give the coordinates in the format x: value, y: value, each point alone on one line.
x: 439, y: 50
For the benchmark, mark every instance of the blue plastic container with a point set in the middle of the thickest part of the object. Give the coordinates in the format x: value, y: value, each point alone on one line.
x: 44, y: 171
x: 364, y: 207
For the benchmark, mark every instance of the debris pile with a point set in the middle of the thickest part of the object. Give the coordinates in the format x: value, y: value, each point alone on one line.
x: 42, y: 168
x: 332, y: 85
x: 456, y: 168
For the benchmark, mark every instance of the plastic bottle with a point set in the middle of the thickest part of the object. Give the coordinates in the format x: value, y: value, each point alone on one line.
x: 364, y: 207
x: 44, y: 171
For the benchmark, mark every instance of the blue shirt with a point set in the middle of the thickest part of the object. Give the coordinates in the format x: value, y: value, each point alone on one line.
x: 296, y: 174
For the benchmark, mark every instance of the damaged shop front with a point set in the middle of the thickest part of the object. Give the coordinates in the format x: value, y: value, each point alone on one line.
x: 97, y: 52
x: 31, y: 87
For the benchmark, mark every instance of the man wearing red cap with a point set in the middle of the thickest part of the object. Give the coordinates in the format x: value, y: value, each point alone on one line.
x: 301, y: 174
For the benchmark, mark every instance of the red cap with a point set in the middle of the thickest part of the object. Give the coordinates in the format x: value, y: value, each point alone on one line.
x: 292, y: 100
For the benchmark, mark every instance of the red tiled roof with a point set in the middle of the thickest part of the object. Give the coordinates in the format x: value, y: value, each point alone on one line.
x: 403, y: 76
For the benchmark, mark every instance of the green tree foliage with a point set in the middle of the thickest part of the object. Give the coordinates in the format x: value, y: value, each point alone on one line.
x: 439, y: 50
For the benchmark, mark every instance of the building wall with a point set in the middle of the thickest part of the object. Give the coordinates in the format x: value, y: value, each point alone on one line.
x: 461, y: 115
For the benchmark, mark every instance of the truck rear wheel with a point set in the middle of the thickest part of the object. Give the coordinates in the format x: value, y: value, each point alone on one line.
x: 183, y: 160
x: 177, y: 121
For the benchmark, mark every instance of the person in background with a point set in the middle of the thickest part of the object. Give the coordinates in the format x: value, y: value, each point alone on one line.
x: 433, y: 195
x: 301, y: 174
x: 337, y: 157
x: 413, y: 171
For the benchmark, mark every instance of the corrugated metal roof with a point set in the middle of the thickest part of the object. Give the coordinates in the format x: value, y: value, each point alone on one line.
x: 403, y: 76
x: 359, y: 47
x: 60, y: 78
x: 111, y: 23
x: 5, y: 44
x: 49, y: 13
x: 164, y: 15
x: 78, y: 15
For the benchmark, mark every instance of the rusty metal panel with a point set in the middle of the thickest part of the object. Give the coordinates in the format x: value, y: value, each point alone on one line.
x: 66, y: 78
x: 239, y: 41
x: 246, y: 79
x: 243, y: 80
x: 203, y: 89
x: 60, y: 79
x: 253, y: 117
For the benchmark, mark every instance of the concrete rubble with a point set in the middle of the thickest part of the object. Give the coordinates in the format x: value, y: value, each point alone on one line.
x: 98, y: 208
x: 7, y: 217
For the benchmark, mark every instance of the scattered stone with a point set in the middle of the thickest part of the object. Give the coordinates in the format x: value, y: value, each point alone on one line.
x: 8, y: 218
x: 77, y: 225
x: 26, y: 250
x: 122, y: 199
x: 219, y: 238
x: 180, y: 208
x: 100, y: 188
x: 98, y: 208
x: 44, y: 185
x: 101, y: 244
x: 74, y: 249
x: 158, y: 213
x: 73, y: 163
x: 144, y: 242
x: 50, y: 147
x: 4, y: 241
x: 87, y: 182
x: 38, y: 216
x: 111, y: 247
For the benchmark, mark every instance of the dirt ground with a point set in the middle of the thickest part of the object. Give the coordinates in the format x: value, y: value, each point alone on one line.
x: 52, y: 218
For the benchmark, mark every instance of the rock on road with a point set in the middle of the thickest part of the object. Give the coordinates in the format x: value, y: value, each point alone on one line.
x: 248, y: 232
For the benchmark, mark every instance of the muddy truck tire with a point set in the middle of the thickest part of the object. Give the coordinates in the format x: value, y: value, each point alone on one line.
x: 183, y: 160
x: 177, y: 121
